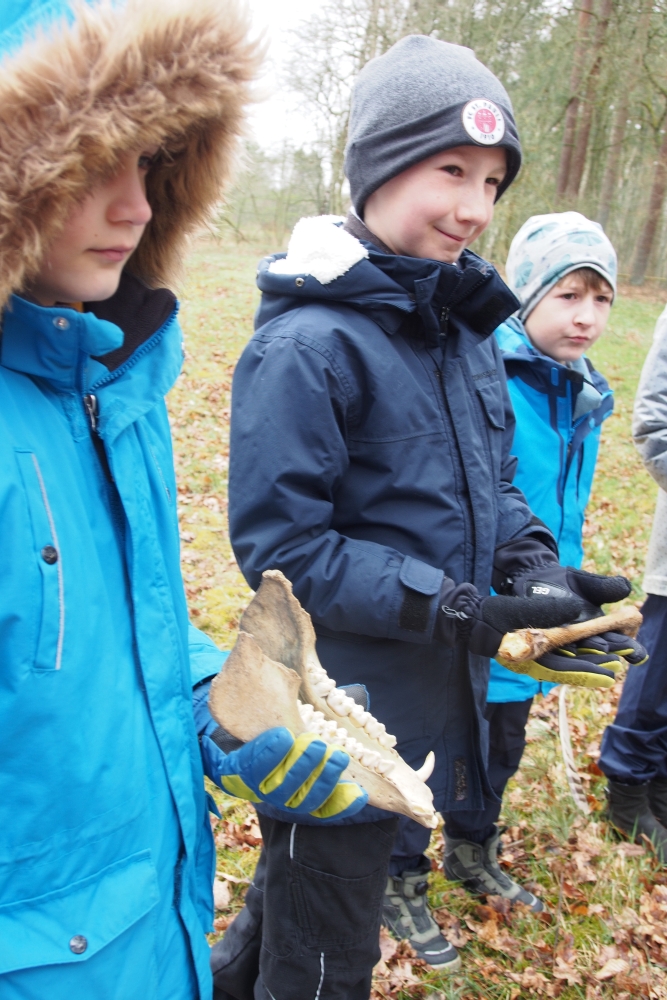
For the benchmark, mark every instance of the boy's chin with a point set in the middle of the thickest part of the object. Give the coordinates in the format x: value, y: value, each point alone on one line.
x: 100, y: 288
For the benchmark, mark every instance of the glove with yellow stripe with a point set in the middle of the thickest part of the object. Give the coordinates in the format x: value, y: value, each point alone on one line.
x: 536, y: 573
x: 298, y: 774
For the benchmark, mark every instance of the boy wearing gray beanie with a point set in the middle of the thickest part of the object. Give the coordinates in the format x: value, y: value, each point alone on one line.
x: 421, y: 97
x: 370, y: 463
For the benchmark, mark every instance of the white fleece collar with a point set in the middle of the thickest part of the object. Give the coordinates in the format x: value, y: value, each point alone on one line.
x: 320, y: 248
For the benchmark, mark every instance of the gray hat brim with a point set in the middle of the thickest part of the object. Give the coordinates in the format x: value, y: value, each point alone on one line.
x: 375, y: 159
x: 527, y: 307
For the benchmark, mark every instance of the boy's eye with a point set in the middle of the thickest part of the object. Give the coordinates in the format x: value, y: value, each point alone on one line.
x: 492, y: 180
x: 146, y: 160
x: 452, y: 169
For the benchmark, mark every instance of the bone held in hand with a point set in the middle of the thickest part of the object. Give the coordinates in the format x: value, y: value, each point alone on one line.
x: 531, y: 643
x: 274, y: 678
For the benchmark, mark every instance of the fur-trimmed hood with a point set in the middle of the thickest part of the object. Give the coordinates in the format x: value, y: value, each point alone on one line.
x: 174, y: 74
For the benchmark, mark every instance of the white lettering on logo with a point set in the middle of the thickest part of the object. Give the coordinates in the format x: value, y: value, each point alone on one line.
x: 540, y: 590
x: 483, y: 121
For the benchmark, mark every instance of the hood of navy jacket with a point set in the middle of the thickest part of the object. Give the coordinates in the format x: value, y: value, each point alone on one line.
x: 387, y: 288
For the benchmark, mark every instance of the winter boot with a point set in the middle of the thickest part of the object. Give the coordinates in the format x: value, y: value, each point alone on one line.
x: 406, y: 913
x: 476, y: 865
x: 657, y: 799
x: 630, y: 813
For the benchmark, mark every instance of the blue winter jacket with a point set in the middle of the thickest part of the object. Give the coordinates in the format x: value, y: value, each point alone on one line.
x: 370, y: 440
x: 106, y: 857
x: 556, y: 454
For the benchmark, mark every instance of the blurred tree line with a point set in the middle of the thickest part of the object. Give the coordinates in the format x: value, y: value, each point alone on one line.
x: 588, y: 81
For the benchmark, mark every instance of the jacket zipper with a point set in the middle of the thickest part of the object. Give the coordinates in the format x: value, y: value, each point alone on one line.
x: 468, y: 516
x: 115, y: 505
x: 90, y: 404
x: 444, y: 321
x: 91, y: 408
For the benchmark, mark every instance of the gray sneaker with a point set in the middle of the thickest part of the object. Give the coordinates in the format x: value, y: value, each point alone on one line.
x: 406, y: 914
x: 476, y: 865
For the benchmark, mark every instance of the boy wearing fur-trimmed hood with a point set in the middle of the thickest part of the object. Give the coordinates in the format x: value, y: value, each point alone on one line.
x: 370, y: 462
x: 118, y: 124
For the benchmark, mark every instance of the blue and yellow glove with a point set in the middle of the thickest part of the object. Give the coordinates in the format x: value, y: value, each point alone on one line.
x: 300, y: 775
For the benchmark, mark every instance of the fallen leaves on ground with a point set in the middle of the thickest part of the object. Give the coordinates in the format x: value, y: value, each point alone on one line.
x: 238, y: 834
x: 398, y: 972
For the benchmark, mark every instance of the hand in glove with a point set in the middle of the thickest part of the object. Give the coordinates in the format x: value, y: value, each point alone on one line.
x: 481, y: 622
x: 527, y: 570
x: 300, y: 775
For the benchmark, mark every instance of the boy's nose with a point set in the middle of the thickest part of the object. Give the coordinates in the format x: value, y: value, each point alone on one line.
x: 129, y: 203
x: 473, y: 206
x: 585, y: 315
x: 132, y: 208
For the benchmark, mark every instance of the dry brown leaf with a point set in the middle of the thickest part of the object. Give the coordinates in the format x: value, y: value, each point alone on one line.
x: 565, y: 950
x: 222, y: 923
x: 565, y: 971
x: 451, y: 928
x: 236, y: 879
x: 611, y: 969
x: 529, y: 979
x: 222, y: 894
x: 388, y: 946
x: 496, y: 937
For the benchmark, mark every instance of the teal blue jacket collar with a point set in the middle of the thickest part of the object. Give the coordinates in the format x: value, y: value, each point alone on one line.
x: 68, y: 350
x: 53, y: 343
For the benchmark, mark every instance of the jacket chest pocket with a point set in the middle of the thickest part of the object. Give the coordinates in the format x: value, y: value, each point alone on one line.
x: 493, y: 404
x: 46, y: 552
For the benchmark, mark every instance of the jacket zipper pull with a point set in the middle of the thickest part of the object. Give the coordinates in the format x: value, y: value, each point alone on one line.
x: 444, y: 320
x: 90, y: 403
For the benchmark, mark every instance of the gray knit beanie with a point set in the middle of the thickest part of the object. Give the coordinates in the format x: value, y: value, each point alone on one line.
x: 420, y: 97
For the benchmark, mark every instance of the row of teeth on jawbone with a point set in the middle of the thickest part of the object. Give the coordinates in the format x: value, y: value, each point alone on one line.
x: 315, y: 722
x: 341, y: 704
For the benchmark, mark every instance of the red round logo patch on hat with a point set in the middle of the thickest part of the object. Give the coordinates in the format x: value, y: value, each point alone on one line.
x: 483, y: 121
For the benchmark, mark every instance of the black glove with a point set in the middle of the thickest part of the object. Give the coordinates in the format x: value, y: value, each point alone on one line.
x: 481, y: 622
x: 527, y: 569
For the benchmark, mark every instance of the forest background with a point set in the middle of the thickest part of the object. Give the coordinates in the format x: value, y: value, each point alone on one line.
x: 589, y: 86
x: 588, y: 81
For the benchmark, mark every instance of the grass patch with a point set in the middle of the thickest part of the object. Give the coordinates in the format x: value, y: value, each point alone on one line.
x: 606, y: 932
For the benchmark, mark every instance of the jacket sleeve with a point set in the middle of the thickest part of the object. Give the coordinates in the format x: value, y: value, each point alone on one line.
x: 515, y: 518
x: 290, y: 409
x: 649, y: 424
x: 206, y: 659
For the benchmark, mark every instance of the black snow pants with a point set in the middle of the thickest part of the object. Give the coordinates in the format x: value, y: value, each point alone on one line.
x: 310, y: 926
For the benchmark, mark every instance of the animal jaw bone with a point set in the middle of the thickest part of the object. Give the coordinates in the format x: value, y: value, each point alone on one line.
x: 274, y: 678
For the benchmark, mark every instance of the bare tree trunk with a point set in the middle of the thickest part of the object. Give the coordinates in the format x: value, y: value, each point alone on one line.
x: 613, y: 165
x: 572, y: 109
x: 656, y: 201
x: 578, y: 160
x: 630, y: 57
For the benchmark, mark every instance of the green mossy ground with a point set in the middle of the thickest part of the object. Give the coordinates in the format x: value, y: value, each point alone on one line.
x: 606, y: 933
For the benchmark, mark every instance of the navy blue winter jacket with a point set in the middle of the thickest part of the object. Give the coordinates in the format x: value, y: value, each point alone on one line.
x: 371, y: 431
